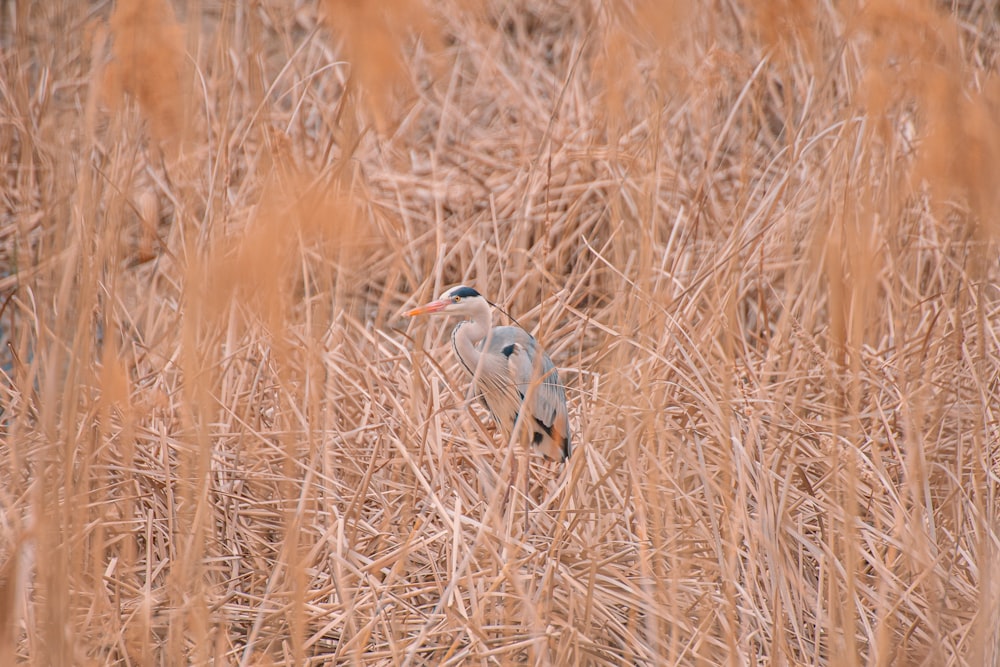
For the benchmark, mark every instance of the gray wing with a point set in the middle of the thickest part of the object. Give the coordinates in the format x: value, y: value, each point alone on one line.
x: 534, y: 376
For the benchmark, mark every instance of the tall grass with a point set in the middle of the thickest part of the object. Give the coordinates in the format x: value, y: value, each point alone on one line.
x: 760, y: 241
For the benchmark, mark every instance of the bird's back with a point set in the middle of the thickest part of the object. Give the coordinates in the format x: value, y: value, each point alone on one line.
x: 514, y: 372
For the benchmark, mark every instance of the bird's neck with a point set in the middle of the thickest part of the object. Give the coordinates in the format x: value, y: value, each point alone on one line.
x: 473, y: 331
x: 467, y: 335
x: 478, y: 325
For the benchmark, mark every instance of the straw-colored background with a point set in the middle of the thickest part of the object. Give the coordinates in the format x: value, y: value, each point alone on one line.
x: 759, y: 239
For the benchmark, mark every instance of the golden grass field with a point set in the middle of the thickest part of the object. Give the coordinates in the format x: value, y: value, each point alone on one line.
x: 760, y: 241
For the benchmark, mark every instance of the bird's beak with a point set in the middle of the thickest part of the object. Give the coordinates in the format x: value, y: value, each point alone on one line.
x: 432, y: 307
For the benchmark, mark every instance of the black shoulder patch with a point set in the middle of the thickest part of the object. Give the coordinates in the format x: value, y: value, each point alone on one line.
x: 545, y: 427
x: 464, y: 291
x: 509, y: 350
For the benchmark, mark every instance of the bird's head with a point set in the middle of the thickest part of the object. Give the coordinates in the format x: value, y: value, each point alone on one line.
x: 460, y: 300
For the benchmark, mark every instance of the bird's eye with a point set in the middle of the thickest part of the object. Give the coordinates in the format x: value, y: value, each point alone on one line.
x: 456, y: 299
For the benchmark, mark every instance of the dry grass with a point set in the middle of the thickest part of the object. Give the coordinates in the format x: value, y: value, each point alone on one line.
x: 760, y: 241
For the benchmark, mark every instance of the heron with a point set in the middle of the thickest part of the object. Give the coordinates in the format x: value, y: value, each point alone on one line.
x: 511, y: 375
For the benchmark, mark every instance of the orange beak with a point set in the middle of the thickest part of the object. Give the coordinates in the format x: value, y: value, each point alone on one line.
x: 427, y: 308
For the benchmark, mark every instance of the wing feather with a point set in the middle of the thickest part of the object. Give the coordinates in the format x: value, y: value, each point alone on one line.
x: 531, y: 372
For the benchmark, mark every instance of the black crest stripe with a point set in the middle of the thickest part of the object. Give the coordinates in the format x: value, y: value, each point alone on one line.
x: 464, y: 292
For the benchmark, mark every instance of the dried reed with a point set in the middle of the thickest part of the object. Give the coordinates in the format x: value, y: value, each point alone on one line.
x: 760, y: 240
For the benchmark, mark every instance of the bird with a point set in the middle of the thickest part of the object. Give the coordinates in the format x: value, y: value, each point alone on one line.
x: 511, y: 375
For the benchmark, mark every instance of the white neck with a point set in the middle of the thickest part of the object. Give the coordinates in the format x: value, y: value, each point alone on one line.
x: 468, y: 334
